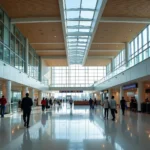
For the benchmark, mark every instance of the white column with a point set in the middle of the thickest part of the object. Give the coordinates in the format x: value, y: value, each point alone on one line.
x: 24, y: 91
x: 32, y: 94
x: 121, y: 92
x: 40, y: 69
x: 140, y: 95
x: 127, y: 48
x: 26, y: 56
x: 7, y: 93
x: 112, y: 65
x: 109, y: 94
x: 39, y: 97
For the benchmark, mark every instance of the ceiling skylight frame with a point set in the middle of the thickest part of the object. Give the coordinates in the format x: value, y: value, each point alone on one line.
x: 77, y: 28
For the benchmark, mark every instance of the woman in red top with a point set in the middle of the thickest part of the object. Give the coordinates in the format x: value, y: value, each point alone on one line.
x: 3, y: 102
x: 43, y: 102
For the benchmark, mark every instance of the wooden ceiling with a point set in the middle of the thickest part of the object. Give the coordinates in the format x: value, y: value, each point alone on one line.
x: 42, y: 32
x: 56, y: 62
x: 48, y: 39
x: 117, y: 32
x: 127, y: 8
x: 31, y: 8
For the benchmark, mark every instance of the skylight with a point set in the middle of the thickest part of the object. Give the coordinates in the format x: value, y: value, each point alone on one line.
x: 80, y: 17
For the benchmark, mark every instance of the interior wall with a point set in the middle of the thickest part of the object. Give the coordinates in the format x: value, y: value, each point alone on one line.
x: 46, y: 73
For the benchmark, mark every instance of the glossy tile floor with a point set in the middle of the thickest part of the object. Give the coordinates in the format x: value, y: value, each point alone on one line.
x: 62, y: 128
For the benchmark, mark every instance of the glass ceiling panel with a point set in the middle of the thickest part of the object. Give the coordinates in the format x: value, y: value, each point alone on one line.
x: 84, y: 30
x: 89, y: 4
x: 72, y: 14
x: 85, y: 23
x: 79, y: 17
x: 87, y: 14
x: 72, y: 30
x: 72, y: 40
x: 73, y: 4
x: 72, y: 23
x: 82, y: 40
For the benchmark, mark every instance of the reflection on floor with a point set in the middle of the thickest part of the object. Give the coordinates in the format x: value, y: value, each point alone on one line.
x: 62, y: 128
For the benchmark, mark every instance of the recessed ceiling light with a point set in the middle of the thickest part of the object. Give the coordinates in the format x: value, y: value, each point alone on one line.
x: 55, y: 36
x: 130, y: 30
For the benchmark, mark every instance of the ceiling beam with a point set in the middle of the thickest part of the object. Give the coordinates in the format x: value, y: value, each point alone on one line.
x: 46, y: 43
x: 106, y: 50
x: 35, y: 20
x: 89, y: 57
x: 98, y: 14
x: 102, y: 19
x: 124, y: 20
x: 107, y: 43
x: 94, y: 43
x: 59, y: 51
x: 50, y: 51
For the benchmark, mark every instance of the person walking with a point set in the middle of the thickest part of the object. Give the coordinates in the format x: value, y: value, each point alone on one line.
x: 123, y: 105
x: 91, y: 103
x: 113, y: 108
x: 50, y: 102
x: 26, y: 105
x: 47, y: 105
x: 3, y: 102
x: 43, y: 102
x: 95, y: 102
x: 71, y: 101
x: 106, y: 107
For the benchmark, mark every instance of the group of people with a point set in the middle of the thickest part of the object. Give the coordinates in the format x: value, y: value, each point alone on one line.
x: 45, y: 103
x: 111, y: 104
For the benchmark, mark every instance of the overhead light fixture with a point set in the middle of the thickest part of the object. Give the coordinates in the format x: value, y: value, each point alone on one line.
x: 55, y: 36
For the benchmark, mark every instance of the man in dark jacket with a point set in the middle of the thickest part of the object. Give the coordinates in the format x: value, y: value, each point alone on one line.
x: 26, y: 107
x: 123, y: 105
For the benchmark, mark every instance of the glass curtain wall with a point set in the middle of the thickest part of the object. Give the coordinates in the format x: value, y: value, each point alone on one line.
x: 12, y: 43
x: 139, y: 47
x: 33, y: 67
x: 108, y: 69
x: 119, y: 60
x: 13, y: 46
x: 76, y: 76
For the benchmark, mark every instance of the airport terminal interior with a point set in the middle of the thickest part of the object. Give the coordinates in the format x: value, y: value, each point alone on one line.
x: 75, y: 54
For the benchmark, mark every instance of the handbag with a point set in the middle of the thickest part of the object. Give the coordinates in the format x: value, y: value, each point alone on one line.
x: 115, y: 111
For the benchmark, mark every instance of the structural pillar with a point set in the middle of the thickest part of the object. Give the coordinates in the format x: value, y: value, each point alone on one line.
x: 26, y: 56
x: 121, y: 93
x: 24, y: 91
x: 109, y: 94
x: 139, y: 95
x: 6, y: 89
x: 112, y: 65
x: 32, y: 96
x: 127, y: 48
x: 40, y: 70
x: 39, y: 97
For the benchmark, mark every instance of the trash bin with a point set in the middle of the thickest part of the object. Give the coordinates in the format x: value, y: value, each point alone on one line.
x: 148, y: 108
x: 143, y: 107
